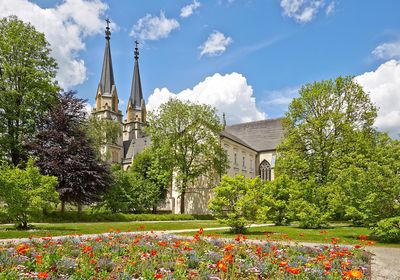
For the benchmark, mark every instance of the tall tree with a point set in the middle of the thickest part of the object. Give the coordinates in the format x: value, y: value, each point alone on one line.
x: 27, y: 85
x: 330, y: 120
x: 64, y: 150
x: 186, y: 137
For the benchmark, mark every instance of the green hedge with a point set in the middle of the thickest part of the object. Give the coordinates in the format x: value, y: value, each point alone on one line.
x: 86, y: 216
x: 387, y: 230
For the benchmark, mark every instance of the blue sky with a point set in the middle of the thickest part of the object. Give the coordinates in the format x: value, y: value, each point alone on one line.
x: 275, y: 46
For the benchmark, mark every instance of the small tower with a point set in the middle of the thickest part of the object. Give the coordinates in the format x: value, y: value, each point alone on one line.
x: 107, y: 101
x: 136, y: 108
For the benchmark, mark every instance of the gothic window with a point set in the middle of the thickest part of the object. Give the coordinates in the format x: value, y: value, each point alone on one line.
x: 244, y: 162
x: 265, y: 171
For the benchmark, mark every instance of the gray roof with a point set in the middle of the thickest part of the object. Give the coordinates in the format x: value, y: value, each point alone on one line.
x: 128, y: 148
x: 262, y: 135
x: 228, y: 135
x: 134, y: 146
x: 107, y: 73
x: 136, y: 89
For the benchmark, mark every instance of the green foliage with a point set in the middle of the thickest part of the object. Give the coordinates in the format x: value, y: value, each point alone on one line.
x: 131, y: 193
x: 185, y: 138
x: 27, y: 86
x: 102, y: 132
x: 338, y: 165
x: 276, y: 197
x: 387, y: 230
x: 237, y: 202
x: 26, y: 191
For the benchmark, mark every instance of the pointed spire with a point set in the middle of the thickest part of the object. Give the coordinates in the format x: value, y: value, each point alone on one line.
x: 107, y: 73
x: 136, y: 89
x: 224, y: 119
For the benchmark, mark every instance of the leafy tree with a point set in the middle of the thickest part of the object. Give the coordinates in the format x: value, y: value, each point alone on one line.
x: 64, y: 150
x: 148, y: 167
x: 130, y: 192
x: 186, y: 137
x: 330, y: 120
x: 102, y: 132
x: 27, y: 85
x: 25, y: 192
x: 237, y: 202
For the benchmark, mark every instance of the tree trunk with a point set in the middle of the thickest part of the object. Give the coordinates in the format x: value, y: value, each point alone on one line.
x: 62, y: 207
x: 79, y: 209
x: 183, y: 202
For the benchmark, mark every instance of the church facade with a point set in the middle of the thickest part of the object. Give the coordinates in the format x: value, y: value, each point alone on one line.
x: 251, y: 147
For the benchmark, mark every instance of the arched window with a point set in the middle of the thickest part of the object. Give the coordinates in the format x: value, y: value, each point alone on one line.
x: 265, y: 170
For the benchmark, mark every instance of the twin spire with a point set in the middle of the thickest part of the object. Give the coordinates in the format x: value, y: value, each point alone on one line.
x: 107, y: 81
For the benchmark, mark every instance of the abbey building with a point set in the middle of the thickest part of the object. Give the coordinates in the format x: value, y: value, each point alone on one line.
x: 251, y: 147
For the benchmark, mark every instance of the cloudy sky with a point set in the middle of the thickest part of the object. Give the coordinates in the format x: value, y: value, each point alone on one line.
x: 246, y: 57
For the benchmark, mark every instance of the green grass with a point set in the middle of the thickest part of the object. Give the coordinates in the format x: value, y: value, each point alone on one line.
x: 8, y: 231
x: 346, y: 233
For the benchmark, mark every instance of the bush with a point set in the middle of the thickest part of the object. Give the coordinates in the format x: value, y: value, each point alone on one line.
x: 26, y: 191
x: 237, y: 202
x: 277, y: 194
x: 387, y: 230
x: 90, y: 217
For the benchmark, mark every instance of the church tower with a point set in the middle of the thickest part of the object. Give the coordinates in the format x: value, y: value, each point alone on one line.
x: 107, y: 101
x: 136, y: 108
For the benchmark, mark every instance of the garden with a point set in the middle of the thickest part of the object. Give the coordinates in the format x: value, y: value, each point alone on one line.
x: 152, y: 256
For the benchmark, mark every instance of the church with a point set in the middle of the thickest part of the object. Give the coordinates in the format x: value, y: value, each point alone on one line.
x: 251, y: 147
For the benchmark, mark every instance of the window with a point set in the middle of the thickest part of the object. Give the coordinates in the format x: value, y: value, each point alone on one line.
x: 265, y: 171
x: 251, y: 164
x: 235, y: 159
x: 244, y: 162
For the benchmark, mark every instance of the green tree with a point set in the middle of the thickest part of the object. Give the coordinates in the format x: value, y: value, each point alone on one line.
x: 238, y: 203
x: 27, y: 85
x: 102, y: 132
x: 26, y: 191
x: 330, y: 120
x: 186, y: 137
x: 130, y: 193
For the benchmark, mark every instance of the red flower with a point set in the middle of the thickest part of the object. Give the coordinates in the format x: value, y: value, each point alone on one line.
x: 42, y: 275
x: 201, y: 231
x: 22, y: 248
x: 283, y: 263
x: 93, y: 261
x: 229, y: 258
x: 158, y: 275
x: 293, y: 270
x: 142, y: 227
x: 222, y: 266
x: 153, y: 252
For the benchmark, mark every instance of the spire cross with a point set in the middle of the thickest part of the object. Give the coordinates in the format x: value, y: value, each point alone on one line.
x: 108, y: 33
x: 136, y: 49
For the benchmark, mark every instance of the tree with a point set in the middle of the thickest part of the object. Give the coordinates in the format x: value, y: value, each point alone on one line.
x: 186, y: 137
x: 237, y: 202
x: 149, y: 168
x: 25, y: 192
x: 330, y: 120
x: 64, y: 150
x: 27, y: 85
x: 102, y: 132
x: 130, y: 193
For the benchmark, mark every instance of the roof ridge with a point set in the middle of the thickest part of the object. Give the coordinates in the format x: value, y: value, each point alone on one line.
x: 265, y: 120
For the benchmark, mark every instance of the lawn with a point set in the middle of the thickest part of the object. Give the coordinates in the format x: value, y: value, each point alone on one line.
x: 8, y: 231
x: 344, y: 234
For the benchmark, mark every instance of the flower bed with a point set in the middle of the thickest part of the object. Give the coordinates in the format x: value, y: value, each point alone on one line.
x: 148, y: 256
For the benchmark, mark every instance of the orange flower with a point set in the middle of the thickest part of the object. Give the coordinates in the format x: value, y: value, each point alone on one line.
x: 320, y: 257
x: 283, y: 263
x: 142, y: 227
x: 162, y: 243
x: 201, y: 231
x: 22, y: 248
x: 229, y: 247
x: 293, y: 270
x: 93, y: 261
x: 222, y: 266
x: 196, y: 237
x: 153, y: 252
x: 355, y: 274
x: 229, y: 258
x: 158, y: 275
x: 42, y: 275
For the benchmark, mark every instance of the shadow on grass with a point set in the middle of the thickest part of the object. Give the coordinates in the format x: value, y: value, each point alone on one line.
x: 34, y: 228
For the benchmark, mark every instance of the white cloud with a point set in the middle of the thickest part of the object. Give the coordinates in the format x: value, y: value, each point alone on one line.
x: 229, y: 93
x: 330, y: 8
x: 383, y: 84
x: 301, y: 10
x: 387, y: 50
x: 188, y: 10
x: 65, y: 27
x: 153, y: 27
x: 216, y: 44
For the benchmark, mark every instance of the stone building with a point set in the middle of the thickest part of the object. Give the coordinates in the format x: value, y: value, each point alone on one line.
x: 251, y: 147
